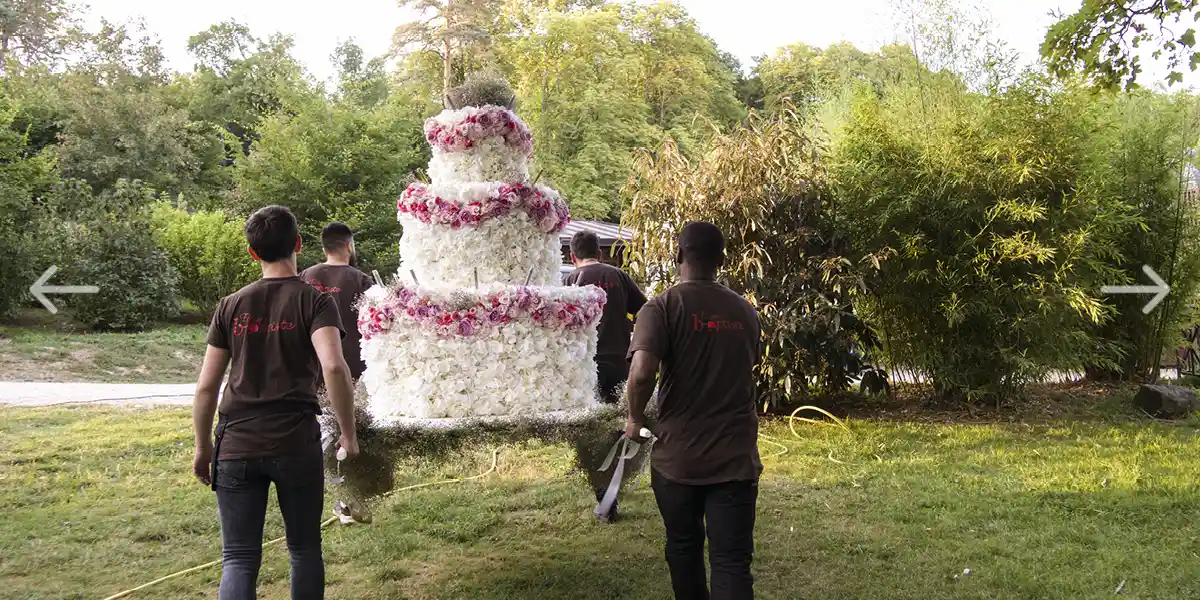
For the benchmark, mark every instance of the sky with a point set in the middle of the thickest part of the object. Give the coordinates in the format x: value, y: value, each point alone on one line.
x: 746, y: 28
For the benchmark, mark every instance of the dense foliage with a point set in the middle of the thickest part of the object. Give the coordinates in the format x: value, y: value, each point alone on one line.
x: 921, y: 206
x: 113, y: 247
x: 1102, y: 38
x: 207, y: 249
x: 998, y: 246
x: 765, y: 187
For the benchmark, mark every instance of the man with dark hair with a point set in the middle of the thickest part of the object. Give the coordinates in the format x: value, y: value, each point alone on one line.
x: 702, y: 341
x: 624, y: 299
x: 274, y: 336
x: 338, y: 277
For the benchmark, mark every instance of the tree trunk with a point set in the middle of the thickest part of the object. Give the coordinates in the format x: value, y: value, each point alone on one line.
x: 446, y: 72
x: 447, y: 60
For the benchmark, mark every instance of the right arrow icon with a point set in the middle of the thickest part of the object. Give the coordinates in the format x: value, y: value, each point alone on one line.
x: 1160, y: 289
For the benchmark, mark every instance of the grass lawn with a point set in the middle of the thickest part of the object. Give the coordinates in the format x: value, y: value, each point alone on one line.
x: 98, y: 500
x: 41, y: 347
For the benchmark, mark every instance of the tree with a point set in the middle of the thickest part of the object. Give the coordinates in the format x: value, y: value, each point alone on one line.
x: 361, y: 82
x: 241, y: 80
x: 574, y: 78
x: 1102, y: 39
x: 120, y: 120
x: 682, y: 73
x: 338, y: 162
x: 456, y: 32
x: 35, y: 32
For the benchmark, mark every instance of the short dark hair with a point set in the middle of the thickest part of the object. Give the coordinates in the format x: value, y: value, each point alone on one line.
x: 702, y: 245
x: 585, y: 244
x: 336, y: 236
x: 272, y: 233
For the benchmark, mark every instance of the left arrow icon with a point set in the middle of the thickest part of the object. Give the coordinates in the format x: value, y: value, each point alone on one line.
x: 39, y: 289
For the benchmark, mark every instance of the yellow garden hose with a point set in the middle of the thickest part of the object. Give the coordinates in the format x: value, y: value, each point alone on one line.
x: 326, y: 523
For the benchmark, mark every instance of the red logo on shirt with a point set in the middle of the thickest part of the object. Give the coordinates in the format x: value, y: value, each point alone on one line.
x: 706, y: 322
x: 246, y: 324
x: 321, y: 287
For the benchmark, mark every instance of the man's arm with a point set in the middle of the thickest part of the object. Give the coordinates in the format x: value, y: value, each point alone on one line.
x: 643, y: 374
x: 204, y: 406
x: 328, y: 343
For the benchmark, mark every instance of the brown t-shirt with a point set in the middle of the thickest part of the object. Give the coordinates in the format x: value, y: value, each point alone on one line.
x: 345, y: 284
x: 267, y: 327
x: 624, y: 299
x: 708, y: 340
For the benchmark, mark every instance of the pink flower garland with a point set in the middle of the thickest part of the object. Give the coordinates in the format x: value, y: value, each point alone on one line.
x: 549, y: 213
x: 494, y: 310
x: 479, y: 124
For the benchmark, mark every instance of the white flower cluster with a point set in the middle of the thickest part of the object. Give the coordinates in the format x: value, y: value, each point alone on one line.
x: 490, y: 160
x: 521, y: 369
x: 505, y: 249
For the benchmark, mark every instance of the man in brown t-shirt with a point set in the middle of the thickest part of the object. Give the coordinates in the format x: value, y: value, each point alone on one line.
x: 612, y: 367
x: 624, y: 299
x: 702, y: 341
x: 338, y: 277
x: 274, y: 336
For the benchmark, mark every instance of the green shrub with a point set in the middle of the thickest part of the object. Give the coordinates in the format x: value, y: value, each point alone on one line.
x: 113, y: 247
x: 998, y: 243
x: 208, y: 249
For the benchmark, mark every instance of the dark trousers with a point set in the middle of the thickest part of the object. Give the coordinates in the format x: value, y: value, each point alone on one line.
x: 610, y: 377
x: 726, y: 510
x: 242, y: 487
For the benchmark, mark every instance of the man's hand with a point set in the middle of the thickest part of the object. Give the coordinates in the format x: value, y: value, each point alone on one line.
x: 633, y: 428
x: 202, y: 464
x: 350, y: 443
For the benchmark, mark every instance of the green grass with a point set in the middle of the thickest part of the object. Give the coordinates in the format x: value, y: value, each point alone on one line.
x: 98, y: 500
x: 38, y: 347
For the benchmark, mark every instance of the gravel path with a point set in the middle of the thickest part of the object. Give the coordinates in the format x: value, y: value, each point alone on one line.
x: 120, y: 394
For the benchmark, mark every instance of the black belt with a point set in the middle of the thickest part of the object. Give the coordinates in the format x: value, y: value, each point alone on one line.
x: 224, y: 422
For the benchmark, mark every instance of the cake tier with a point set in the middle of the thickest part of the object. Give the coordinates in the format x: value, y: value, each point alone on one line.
x: 491, y: 160
x: 488, y: 143
x: 502, y: 351
x: 480, y: 233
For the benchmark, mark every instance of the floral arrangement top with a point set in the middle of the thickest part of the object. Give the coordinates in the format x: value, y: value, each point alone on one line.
x: 482, y: 202
x: 463, y: 129
x: 465, y: 313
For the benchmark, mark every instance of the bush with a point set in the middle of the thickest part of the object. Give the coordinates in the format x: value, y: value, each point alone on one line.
x: 23, y: 173
x: 208, y: 249
x: 999, y: 242
x: 763, y: 186
x: 114, y: 248
x: 1141, y: 158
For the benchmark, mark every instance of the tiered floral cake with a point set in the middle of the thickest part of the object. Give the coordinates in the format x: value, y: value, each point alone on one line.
x: 474, y: 327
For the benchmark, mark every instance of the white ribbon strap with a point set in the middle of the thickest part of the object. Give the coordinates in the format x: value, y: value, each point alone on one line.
x: 621, y: 451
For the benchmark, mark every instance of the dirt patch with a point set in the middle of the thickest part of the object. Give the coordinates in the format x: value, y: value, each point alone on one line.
x: 84, y: 355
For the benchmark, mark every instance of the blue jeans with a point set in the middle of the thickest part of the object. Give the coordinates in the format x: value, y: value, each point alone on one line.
x: 242, y: 487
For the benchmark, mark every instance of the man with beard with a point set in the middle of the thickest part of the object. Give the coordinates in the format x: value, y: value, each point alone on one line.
x: 338, y: 277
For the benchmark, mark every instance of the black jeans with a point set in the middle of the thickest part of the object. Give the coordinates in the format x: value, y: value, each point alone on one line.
x: 727, y: 509
x: 242, y: 487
